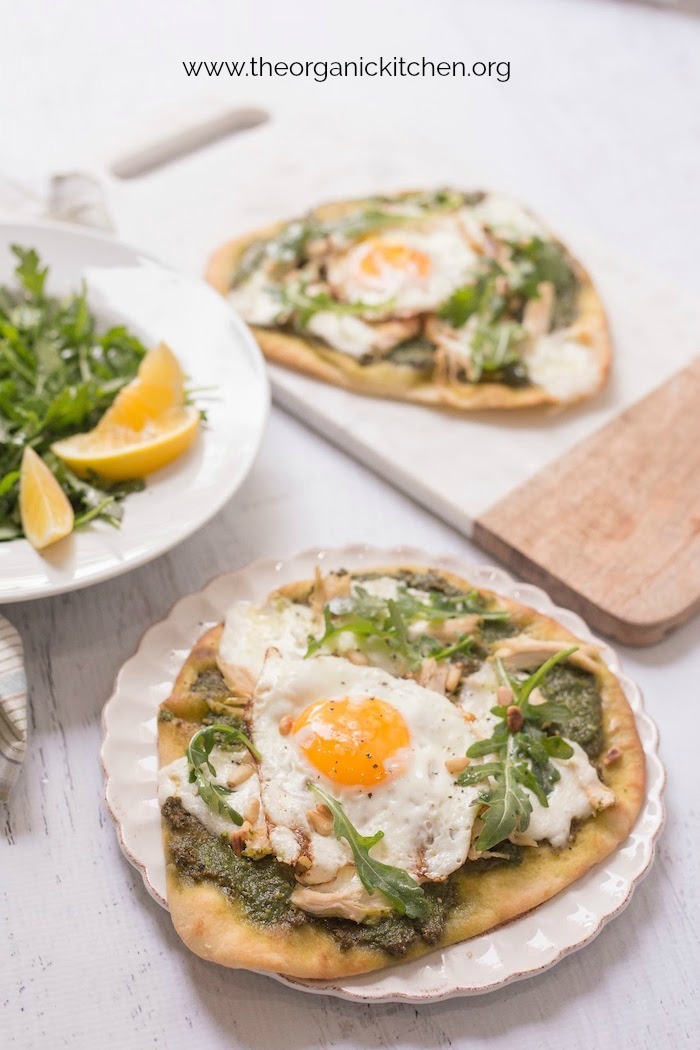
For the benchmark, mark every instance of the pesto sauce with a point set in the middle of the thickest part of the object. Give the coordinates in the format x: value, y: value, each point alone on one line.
x: 417, y: 352
x: 263, y: 889
x: 495, y: 630
x: 578, y: 690
x: 513, y: 856
x: 235, y: 721
x: 210, y: 685
x: 427, y: 581
x: 395, y: 934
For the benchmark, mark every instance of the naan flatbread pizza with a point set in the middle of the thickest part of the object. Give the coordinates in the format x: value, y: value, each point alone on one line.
x: 365, y: 767
x: 446, y: 298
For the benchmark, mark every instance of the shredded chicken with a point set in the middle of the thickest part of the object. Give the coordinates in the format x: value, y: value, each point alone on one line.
x: 537, y: 316
x: 433, y: 675
x: 453, y: 348
x: 252, y: 840
x: 521, y: 839
x: 230, y: 705
x: 362, y: 337
x: 523, y: 652
x: 485, y: 854
x: 388, y: 334
x: 344, y: 897
x: 325, y: 588
x: 239, y: 680
x: 452, y: 630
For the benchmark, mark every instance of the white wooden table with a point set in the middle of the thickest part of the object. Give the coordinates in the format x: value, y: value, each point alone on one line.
x: 595, y: 123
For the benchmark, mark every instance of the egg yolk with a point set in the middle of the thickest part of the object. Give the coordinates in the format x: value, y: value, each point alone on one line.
x: 353, y: 742
x: 381, y: 256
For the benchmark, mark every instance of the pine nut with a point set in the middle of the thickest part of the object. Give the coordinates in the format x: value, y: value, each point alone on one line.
x: 457, y: 764
x: 253, y: 810
x: 238, y: 838
x: 514, y: 718
x: 238, y: 776
x: 285, y: 726
x: 453, y: 677
x: 322, y: 823
x: 504, y: 695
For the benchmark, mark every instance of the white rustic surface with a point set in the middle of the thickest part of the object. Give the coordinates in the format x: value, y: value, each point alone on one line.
x: 598, y: 123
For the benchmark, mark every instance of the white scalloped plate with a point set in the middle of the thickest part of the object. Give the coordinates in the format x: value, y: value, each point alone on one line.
x: 519, y: 949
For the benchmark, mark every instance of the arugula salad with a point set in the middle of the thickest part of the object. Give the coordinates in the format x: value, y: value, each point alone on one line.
x: 59, y: 372
x: 86, y: 411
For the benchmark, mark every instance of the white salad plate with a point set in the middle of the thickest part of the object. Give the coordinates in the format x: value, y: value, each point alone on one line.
x: 217, y: 353
x: 526, y: 946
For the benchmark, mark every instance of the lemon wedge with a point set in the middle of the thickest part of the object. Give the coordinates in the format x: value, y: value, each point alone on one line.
x: 158, y: 387
x: 119, y: 453
x: 146, y: 427
x: 44, y: 508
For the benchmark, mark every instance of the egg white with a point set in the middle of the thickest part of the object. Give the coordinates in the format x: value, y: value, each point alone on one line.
x: 250, y: 629
x: 453, y: 263
x: 563, y: 366
x: 507, y: 218
x: 425, y: 815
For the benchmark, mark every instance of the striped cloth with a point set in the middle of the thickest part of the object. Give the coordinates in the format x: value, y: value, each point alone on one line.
x: 13, y: 707
x: 73, y: 198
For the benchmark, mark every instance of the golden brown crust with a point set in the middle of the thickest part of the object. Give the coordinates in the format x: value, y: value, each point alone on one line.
x: 212, y: 926
x: 383, y: 379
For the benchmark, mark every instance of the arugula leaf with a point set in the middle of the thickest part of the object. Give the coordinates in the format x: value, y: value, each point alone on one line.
x: 484, y: 297
x: 361, y: 628
x: 493, y: 347
x: 199, y: 752
x: 524, y: 689
x: 461, y: 305
x: 446, y: 606
x: 557, y: 747
x: 508, y: 808
x: 522, y: 758
x: 28, y: 270
x: 462, y: 645
x: 401, y: 890
x: 477, y: 774
x: 304, y: 305
x: 539, y: 261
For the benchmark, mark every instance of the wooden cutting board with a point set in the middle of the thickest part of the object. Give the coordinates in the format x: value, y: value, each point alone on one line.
x: 599, y: 503
x: 612, y: 528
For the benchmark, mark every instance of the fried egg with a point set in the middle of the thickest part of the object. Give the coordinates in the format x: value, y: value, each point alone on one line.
x: 410, y: 270
x: 377, y: 744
